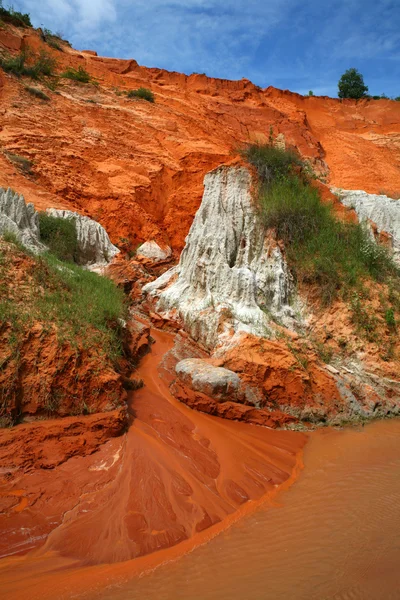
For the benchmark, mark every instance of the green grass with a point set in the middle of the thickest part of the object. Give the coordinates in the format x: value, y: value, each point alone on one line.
x: 14, y: 16
x: 79, y: 74
x: 271, y: 163
x: 143, y: 93
x: 52, y: 39
x: 83, y: 304
x: 85, y: 307
x: 321, y: 250
x: 23, y: 64
x: 12, y: 238
x: 60, y: 236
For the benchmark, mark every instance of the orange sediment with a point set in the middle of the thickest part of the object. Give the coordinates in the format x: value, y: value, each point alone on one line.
x: 173, y: 482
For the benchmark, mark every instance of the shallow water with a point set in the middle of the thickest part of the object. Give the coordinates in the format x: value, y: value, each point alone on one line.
x: 334, y: 534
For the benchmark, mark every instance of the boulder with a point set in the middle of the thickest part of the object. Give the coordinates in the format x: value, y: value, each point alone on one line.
x: 152, y: 251
x: 216, y: 382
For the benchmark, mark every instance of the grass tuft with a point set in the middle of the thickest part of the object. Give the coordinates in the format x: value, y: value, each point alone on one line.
x: 143, y: 93
x: 60, y: 236
x: 22, y: 163
x: 23, y: 64
x: 321, y: 250
x: 79, y: 74
x: 14, y: 16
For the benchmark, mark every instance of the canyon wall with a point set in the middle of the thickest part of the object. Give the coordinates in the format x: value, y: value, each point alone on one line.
x: 138, y: 168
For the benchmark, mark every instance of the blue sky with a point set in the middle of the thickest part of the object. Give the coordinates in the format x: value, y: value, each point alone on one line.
x: 299, y: 45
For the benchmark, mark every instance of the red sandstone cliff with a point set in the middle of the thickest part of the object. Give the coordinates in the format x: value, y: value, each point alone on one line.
x: 138, y: 167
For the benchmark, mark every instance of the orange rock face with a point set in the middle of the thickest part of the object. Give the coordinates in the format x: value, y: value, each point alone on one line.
x: 138, y: 167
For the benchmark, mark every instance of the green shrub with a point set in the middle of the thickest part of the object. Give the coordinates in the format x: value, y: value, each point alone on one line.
x: 79, y: 74
x: 271, y: 163
x: 142, y: 93
x: 52, y: 39
x: 59, y: 235
x: 37, y: 92
x: 390, y: 318
x: 14, y: 64
x: 14, y: 17
x: 43, y: 66
x: 320, y: 249
x: 363, y: 320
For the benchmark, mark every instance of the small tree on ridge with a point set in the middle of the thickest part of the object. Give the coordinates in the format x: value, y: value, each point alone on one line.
x: 351, y: 85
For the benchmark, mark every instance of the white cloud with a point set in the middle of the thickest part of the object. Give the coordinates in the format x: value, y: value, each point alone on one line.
x: 74, y: 16
x: 287, y: 43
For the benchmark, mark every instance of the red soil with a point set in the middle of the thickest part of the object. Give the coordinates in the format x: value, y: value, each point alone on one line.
x: 138, y: 167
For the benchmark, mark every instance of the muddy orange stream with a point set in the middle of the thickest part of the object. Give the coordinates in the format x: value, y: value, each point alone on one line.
x: 334, y: 535
x: 173, y: 481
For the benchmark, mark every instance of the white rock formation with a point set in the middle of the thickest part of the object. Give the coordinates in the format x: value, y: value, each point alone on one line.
x: 152, y: 251
x: 216, y: 382
x: 94, y: 245
x: 231, y: 275
x: 20, y: 219
x: 383, y: 211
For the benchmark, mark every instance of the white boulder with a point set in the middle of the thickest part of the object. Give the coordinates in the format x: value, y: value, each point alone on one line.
x: 152, y: 251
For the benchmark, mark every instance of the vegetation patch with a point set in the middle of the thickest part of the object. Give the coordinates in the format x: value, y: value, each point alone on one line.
x: 24, y: 64
x: 79, y: 74
x: 22, y: 163
x: 336, y: 256
x: 85, y: 308
x: 143, y: 93
x: 14, y: 17
x: 351, y: 85
x: 52, y: 39
x: 60, y: 236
